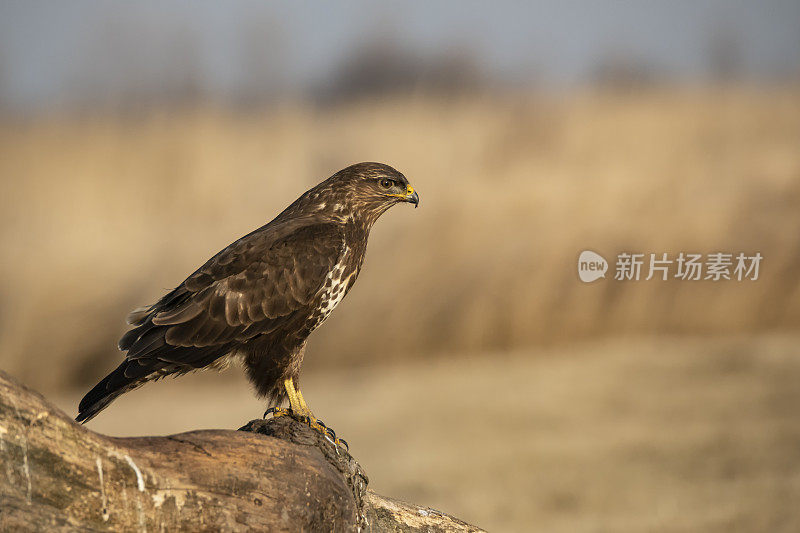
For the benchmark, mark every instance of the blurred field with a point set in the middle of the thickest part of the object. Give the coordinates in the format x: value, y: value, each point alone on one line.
x: 671, y: 436
x: 102, y: 214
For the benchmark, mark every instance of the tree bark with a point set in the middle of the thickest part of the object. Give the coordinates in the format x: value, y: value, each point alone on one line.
x: 275, y: 475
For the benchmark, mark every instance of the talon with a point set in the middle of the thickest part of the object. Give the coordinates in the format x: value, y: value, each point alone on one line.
x: 325, y: 430
x: 298, y: 405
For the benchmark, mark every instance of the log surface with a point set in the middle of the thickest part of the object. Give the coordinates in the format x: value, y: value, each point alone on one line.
x: 277, y: 475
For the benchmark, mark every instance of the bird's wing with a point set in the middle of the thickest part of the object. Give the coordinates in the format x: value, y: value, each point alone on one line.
x: 250, y: 288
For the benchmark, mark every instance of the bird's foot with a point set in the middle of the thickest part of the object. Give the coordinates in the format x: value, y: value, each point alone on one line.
x: 311, y: 421
x: 279, y: 411
x: 329, y: 434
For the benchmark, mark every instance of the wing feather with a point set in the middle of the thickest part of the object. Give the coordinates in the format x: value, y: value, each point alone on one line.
x: 179, y: 314
x: 253, y: 287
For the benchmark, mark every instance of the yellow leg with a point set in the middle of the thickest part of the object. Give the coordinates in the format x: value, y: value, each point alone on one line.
x: 303, y: 403
x: 296, y: 401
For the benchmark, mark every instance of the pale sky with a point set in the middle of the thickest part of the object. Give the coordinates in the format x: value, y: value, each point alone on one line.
x: 51, y: 51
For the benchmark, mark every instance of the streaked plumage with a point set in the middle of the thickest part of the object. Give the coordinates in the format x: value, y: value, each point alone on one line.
x: 261, y: 297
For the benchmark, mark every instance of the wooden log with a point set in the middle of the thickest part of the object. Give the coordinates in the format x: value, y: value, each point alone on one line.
x: 276, y: 475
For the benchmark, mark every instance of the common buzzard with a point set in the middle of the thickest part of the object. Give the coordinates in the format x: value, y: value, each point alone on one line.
x: 261, y: 297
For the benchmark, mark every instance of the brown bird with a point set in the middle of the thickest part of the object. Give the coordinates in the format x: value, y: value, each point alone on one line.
x: 260, y: 298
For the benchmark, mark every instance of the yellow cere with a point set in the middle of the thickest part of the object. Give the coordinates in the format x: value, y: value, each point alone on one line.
x: 409, y: 192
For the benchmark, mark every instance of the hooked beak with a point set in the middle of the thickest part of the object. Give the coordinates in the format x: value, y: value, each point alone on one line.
x: 412, y: 196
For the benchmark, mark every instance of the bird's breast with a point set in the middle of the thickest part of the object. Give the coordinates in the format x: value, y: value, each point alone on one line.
x: 333, y: 291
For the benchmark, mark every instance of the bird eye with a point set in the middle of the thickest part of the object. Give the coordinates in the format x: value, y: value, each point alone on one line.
x: 387, y: 183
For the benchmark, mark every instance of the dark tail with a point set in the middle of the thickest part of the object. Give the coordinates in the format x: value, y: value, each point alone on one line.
x: 127, y: 376
x: 149, y: 357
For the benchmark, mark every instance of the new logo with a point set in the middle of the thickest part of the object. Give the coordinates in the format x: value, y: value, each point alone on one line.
x: 591, y: 266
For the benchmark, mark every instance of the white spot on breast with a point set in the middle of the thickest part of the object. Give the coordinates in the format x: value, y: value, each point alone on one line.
x: 334, y: 290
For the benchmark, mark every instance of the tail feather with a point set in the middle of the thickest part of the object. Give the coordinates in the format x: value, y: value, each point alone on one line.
x: 131, y: 336
x: 149, y: 356
x: 127, y: 376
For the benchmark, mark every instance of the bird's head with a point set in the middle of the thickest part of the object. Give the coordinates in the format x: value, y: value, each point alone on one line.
x: 364, y: 190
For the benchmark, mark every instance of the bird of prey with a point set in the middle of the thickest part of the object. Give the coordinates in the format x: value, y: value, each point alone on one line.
x: 260, y: 298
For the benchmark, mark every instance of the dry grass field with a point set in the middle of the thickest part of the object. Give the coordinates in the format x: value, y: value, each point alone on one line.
x: 671, y: 436
x: 101, y: 214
